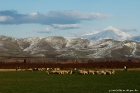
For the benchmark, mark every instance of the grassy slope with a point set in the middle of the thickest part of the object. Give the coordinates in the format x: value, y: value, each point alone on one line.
x: 40, y: 82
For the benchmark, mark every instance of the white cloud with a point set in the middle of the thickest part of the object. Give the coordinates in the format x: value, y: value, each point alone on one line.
x: 46, y: 30
x: 66, y: 26
x: 83, y: 33
x: 80, y: 15
x: 53, y: 17
x: 5, y: 18
x: 34, y: 14
x: 91, y: 15
x: 91, y: 32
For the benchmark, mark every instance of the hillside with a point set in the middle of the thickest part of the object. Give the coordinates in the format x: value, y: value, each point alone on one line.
x: 56, y: 46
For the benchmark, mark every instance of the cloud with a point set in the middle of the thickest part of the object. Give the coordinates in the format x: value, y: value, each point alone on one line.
x: 53, y: 17
x: 34, y: 14
x: 66, y: 26
x: 79, y: 15
x: 128, y: 29
x: 5, y: 18
x: 46, y: 30
x: 83, y: 33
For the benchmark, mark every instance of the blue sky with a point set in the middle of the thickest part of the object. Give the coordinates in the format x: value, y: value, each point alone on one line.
x: 68, y: 18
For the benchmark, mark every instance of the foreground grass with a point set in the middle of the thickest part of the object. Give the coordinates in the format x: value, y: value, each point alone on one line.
x: 40, y: 82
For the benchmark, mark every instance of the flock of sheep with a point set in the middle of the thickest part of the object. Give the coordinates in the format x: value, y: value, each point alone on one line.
x: 82, y: 72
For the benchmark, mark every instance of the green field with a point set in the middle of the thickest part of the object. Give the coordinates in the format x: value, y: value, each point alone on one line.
x: 40, y: 82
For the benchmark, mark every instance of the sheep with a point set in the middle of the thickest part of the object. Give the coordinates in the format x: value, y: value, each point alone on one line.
x: 70, y: 72
x: 40, y: 69
x: 83, y: 72
x: 97, y: 72
x: 49, y: 69
x: 65, y: 71
x: 55, y: 72
x: 30, y: 69
x: 108, y: 72
x: 113, y: 72
x: 103, y: 72
x: 91, y: 72
x: 56, y: 68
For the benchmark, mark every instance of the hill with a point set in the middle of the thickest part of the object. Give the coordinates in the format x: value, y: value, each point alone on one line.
x: 56, y: 46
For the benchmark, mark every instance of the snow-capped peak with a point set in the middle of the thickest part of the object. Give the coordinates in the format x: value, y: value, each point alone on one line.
x: 111, y: 28
x: 117, y: 32
x: 109, y: 33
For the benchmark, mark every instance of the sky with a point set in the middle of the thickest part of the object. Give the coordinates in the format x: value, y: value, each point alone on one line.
x: 67, y: 18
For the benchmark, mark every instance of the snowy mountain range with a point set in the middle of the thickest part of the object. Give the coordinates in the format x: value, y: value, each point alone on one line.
x: 56, y: 46
x: 110, y: 42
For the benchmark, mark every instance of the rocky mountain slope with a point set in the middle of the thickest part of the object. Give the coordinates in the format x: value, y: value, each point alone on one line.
x: 56, y: 46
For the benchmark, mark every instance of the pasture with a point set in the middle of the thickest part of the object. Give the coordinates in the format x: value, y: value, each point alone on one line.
x: 40, y: 82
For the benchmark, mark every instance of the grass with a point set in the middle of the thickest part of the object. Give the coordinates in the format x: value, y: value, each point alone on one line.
x: 40, y: 82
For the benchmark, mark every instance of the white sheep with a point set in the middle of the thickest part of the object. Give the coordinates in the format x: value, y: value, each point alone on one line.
x: 91, y: 72
x: 83, y: 72
x: 97, y: 72
x: 103, y: 72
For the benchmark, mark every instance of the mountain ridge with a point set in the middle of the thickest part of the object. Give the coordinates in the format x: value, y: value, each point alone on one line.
x: 53, y: 46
